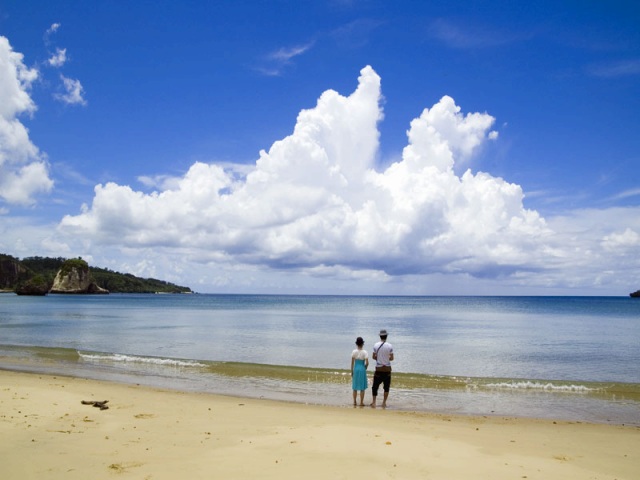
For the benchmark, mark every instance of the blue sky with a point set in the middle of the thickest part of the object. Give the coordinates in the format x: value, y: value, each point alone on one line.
x: 365, y: 147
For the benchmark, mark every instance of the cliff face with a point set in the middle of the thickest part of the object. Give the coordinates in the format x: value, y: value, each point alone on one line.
x: 11, y: 272
x: 74, y: 277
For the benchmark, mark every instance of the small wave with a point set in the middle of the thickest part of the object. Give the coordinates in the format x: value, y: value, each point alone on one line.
x: 116, y: 357
x: 548, y: 386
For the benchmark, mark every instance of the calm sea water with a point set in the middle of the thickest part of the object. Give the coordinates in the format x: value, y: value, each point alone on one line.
x: 574, y: 358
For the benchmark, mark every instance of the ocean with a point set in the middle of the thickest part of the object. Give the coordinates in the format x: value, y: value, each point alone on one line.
x: 561, y: 358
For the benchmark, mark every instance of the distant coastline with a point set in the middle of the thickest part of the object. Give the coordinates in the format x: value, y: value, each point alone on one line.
x: 16, y: 272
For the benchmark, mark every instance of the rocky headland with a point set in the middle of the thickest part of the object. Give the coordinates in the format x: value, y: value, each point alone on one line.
x: 74, y: 277
x: 42, y: 275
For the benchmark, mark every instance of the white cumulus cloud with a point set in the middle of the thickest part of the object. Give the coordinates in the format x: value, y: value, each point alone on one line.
x: 315, y: 202
x: 23, y: 169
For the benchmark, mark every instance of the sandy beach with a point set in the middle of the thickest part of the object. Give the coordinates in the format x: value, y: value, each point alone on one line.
x: 47, y: 432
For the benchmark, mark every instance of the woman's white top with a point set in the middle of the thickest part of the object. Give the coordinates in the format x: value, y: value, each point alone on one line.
x: 358, y: 354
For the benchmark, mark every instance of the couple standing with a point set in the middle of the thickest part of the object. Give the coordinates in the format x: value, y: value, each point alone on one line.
x: 383, y: 355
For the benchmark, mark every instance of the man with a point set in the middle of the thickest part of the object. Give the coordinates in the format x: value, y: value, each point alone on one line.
x: 383, y: 355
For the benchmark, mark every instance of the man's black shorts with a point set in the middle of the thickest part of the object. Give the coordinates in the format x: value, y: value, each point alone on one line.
x: 383, y: 378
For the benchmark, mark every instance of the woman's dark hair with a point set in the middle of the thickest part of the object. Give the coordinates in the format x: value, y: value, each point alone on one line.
x: 359, y: 341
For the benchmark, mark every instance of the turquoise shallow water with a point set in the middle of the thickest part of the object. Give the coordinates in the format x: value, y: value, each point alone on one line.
x: 573, y: 358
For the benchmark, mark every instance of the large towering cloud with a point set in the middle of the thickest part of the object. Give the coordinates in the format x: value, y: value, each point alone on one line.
x: 23, y: 170
x: 314, y: 201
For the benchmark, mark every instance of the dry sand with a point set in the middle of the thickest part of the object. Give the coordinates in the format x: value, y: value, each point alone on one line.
x: 47, y: 433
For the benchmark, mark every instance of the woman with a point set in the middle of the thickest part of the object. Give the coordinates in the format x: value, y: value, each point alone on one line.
x: 359, y: 365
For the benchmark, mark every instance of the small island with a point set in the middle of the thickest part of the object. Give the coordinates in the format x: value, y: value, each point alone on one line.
x: 635, y: 294
x: 42, y: 275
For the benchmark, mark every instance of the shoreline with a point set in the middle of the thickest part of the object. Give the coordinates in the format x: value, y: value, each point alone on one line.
x: 157, y: 433
x: 611, y: 404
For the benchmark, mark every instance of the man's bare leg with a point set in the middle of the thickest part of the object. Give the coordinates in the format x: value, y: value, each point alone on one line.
x: 384, y: 399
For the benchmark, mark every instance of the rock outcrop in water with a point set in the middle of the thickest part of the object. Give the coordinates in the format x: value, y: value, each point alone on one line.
x: 635, y: 294
x: 74, y: 277
x: 37, y: 285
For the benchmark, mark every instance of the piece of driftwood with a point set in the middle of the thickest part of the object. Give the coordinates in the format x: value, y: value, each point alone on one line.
x: 101, y: 405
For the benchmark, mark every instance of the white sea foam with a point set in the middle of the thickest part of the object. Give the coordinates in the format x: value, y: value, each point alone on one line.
x: 116, y: 357
x: 531, y: 385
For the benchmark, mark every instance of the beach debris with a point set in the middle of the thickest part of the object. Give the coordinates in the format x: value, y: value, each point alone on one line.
x: 101, y: 405
x: 144, y: 415
x: 124, y: 467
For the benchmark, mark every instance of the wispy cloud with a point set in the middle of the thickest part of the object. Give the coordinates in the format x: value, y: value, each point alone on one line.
x: 59, y: 58
x: 634, y: 192
x: 276, y: 61
x: 50, y: 31
x: 53, y: 28
x: 622, y: 68
x: 284, y: 55
x: 73, y: 92
x: 67, y: 171
x: 471, y: 36
x: 355, y: 34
